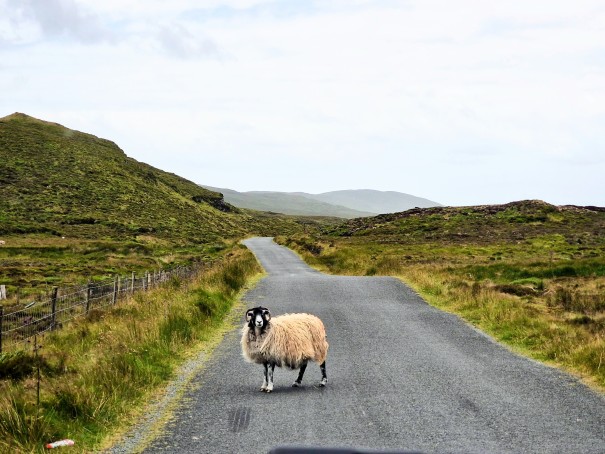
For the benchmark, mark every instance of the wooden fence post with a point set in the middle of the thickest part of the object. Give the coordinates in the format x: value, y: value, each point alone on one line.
x: 88, y: 295
x: 115, y: 290
x: 2, y: 292
x: 132, y: 284
x: 53, y: 319
x: 1, y: 319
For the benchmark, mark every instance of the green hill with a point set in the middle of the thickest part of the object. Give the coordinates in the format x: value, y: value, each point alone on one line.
x: 510, y: 222
x: 528, y: 273
x: 69, y: 183
x: 72, y: 204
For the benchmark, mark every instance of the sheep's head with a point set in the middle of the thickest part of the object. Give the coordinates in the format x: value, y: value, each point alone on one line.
x: 258, y: 317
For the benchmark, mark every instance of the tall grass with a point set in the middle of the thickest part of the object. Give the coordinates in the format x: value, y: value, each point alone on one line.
x: 552, y: 310
x: 559, y: 336
x: 96, y: 372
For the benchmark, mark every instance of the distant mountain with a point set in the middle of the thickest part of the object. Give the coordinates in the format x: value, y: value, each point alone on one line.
x: 287, y: 203
x: 378, y: 202
x: 345, y: 204
x: 68, y: 183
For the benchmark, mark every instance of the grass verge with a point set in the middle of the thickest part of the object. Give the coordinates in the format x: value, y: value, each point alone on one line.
x: 552, y: 310
x: 98, y: 371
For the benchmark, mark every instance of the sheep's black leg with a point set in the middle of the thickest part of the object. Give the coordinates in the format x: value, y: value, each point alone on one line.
x: 270, y: 381
x: 265, y: 377
x: 300, y: 375
x: 324, y: 377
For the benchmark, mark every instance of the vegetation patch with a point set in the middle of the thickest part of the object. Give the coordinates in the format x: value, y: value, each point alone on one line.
x: 96, y: 372
x: 75, y: 207
x: 528, y: 273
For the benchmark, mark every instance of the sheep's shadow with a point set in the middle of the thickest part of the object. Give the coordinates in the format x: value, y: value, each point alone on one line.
x: 288, y: 390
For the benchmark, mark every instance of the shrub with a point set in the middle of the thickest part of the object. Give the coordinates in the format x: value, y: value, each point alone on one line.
x: 16, y: 365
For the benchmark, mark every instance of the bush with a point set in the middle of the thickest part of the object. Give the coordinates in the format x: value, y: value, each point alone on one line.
x: 577, y: 301
x: 234, y: 277
x: 211, y: 303
x: 16, y: 365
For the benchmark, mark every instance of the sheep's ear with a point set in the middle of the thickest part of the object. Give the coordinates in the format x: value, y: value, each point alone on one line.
x: 267, y: 314
x: 249, y: 315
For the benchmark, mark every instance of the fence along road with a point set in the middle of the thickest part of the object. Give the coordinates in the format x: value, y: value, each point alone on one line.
x: 402, y: 375
x: 39, y: 317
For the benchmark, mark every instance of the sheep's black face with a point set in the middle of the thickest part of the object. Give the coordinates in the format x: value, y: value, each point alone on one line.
x: 258, y: 317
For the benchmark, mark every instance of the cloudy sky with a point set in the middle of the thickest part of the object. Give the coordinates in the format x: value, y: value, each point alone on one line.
x: 463, y: 102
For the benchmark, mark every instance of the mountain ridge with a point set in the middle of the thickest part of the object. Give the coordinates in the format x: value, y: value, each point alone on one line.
x: 286, y: 203
x: 374, y: 201
x: 354, y: 203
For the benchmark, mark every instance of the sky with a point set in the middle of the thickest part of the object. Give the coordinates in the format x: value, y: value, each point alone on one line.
x: 464, y: 103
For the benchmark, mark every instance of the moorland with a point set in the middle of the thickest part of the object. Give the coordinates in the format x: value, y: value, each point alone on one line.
x: 529, y: 273
x: 76, y: 208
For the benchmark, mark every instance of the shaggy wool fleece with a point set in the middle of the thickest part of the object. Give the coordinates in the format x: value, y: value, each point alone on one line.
x: 289, y: 341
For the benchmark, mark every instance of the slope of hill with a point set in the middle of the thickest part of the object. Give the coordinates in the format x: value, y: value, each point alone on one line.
x: 65, y: 182
x: 528, y: 273
x: 511, y: 222
x: 287, y: 203
x: 373, y: 201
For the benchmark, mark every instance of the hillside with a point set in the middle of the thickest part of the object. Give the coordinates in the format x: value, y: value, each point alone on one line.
x: 68, y: 183
x: 372, y: 201
x: 73, y: 207
x: 511, y: 222
x: 287, y: 203
x: 528, y: 273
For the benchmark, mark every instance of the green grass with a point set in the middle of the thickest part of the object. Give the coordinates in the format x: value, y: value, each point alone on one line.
x: 530, y: 274
x: 61, y: 182
x: 74, y: 207
x: 33, y: 264
x: 98, y: 372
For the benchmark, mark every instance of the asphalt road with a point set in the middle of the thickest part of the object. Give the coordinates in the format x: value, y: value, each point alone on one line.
x: 402, y: 376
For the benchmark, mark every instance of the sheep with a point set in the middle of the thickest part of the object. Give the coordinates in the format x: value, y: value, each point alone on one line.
x: 289, y: 340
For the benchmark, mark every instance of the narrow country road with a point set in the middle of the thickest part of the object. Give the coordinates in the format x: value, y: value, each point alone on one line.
x: 402, y: 376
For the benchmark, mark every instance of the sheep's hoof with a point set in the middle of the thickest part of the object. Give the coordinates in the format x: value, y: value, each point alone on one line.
x: 296, y: 384
x: 323, y: 383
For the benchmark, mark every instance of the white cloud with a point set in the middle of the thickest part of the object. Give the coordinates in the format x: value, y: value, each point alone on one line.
x: 410, y: 96
x: 32, y: 20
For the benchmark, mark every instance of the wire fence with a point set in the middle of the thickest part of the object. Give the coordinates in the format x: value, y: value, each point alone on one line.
x: 65, y: 304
